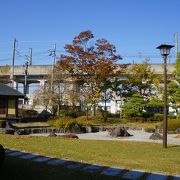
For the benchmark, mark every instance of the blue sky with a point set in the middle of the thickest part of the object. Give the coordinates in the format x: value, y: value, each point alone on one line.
x: 135, y: 27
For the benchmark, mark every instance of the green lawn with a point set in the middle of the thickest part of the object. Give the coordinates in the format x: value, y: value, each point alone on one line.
x: 130, y: 155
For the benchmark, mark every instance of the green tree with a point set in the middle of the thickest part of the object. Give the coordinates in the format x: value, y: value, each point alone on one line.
x: 140, y: 78
x: 177, y: 71
x: 141, y: 84
x: 174, y: 95
x: 134, y: 107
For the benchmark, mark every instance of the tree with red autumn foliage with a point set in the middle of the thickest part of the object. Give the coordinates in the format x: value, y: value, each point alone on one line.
x: 89, y: 64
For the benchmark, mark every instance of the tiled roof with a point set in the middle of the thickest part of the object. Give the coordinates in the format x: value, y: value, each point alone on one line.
x: 8, y: 91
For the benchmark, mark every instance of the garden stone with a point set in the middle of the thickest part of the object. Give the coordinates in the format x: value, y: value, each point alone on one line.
x: 77, y: 129
x: 111, y: 171
x: 95, y: 129
x: 28, y: 156
x: 176, y: 177
x: 92, y: 168
x: 119, y: 131
x: 178, y: 130
x: 8, y: 151
x: 21, y: 132
x: 2, y: 154
x: 133, y: 175
x: 2, y: 130
x: 150, y: 130
x: 88, y: 129
x: 156, y: 176
x: 9, y: 131
x: 52, y: 134
x: 56, y: 162
x: 9, y: 125
x: 41, y: 159
x: 100, y: 129
x: 69, y: 136
x: 74, y: 166
x: 17, y: 153
x: 156, y: 136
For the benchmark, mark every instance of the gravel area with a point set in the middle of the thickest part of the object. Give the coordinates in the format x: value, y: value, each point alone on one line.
x: 137, y: 136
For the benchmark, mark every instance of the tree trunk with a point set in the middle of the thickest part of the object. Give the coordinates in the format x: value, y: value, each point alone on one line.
x: 87, y: 117
x: 46, y: 112
x: 105, y: 109
x: 94, y: 110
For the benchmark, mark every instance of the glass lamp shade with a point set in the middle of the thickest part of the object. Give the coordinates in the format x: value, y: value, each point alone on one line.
x: 165, y: 49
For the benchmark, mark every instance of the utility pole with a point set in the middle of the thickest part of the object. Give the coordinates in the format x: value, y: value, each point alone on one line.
x: 26, y: 65
x: 176, y: 42
x: 30, y: 56
x: 13, y: 59
x: 53, y: 55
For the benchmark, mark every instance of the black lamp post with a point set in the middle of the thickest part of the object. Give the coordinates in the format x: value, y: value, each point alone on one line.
x: 165, y: 51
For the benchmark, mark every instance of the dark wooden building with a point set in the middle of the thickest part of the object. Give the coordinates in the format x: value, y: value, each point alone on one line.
x: 9, y: 101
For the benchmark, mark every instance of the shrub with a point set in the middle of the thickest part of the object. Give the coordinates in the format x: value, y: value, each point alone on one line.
x: 60, y: 122
x: 173, y: 124
x: 64, y: 122
x: 70, y: 113
x: 136, y: 119
x: 171, y: 116
x: 84, y: 123
x: 69, y: 124
x: 157, y: 117
x: 90, y: 118
x: 2, y: 123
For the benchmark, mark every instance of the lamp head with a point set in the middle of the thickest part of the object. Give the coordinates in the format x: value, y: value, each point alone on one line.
x: 165, y: 49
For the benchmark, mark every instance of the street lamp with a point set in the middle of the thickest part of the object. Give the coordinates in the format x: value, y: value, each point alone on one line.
x: 165, y: 51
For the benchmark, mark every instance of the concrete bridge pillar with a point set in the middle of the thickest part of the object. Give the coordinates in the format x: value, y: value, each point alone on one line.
x: 15, y: 85
x: 26, y: 88
x: 42, y: 83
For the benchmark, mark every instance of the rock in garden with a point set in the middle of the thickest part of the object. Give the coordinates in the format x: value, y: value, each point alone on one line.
x: 52, y: 134
x: 150, y: 130
x: 69, y: 136
x: 156, y: 136
x: 88, y: 129
x: 21, y: 132
x: 2, y: 154
x: 10, y: 129
x: 119, y: 132
x: 77, y: 129
x: 178, y: 130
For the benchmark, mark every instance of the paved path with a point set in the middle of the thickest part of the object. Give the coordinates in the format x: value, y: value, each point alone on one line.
x: 90, y: 168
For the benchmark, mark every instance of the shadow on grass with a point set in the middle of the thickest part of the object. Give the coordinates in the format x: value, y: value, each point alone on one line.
x: 173, y: 146
x: 19, y: 169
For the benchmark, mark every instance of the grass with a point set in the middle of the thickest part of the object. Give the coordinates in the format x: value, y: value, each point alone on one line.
x: 130, y: 155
